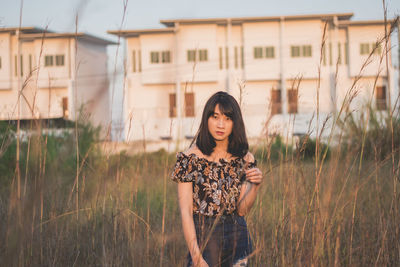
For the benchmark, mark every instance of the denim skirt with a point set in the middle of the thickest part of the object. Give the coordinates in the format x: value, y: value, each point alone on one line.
x: 223, y: 240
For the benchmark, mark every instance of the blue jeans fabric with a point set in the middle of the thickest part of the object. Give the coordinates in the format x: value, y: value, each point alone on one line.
x: 224, y: 239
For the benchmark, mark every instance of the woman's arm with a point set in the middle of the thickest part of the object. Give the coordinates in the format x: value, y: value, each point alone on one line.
x: 249, y: 189
x: 186, y: 206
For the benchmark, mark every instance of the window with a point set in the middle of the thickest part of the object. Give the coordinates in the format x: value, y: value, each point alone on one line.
x: 221, y: 64
x: 276, y: 101
x: 59, y: 60
x: 292, y: 97
x: 203, y: 55
x: 236, y: 58
x: 189, y: 105
x: 154, y: 57
x: 242, y: 56
x: 381, y: 98
x: 0, y: 63
x: 172, y: 105
x: 295, y: 51
x: 330, y: 54
x: 191, y: 55
x: 377, y: 48
x: 20, y: 65
x: 133, y: 61
x: 301, y: 51
x: 48, y: 61
x: 346, y: 53
x: 140, y: 60
x: 65, y: 106
x: 227, y: 57
x: 364, y: 49
x: 324, y: 54
x: 166, y: 57
x: 270, y: 52
x: 258, y: 52
x: 339, y: 53
x: 307, y: 51
x: 30, y: 63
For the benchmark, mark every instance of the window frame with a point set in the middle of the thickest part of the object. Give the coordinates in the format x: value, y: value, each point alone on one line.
x: 364, y: 49
x: 258, y: 52
x: 154, y: 57
x: 60, y: 60
x: 381, y: 97
x: 276, y: 101
x: 48, y: 60
x: 203, y: 55
x: 306, y: 50
x: 295, y: 51
x: 166, y: 56
x: 293, y: 100
x: 269, y: 52
x: 191, y: 55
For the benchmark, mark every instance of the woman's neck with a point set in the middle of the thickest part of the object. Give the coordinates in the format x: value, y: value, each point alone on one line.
x: 221, y: 147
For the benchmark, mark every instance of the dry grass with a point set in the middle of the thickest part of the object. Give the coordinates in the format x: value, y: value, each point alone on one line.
x: 123, y: 203
x: 79, y: 206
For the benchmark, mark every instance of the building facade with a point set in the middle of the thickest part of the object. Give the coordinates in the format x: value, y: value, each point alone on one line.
x: 280, y: 69
x: 57, y: 75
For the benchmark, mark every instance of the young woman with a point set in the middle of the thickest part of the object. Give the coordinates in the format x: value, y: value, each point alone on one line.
x: 217, y: 184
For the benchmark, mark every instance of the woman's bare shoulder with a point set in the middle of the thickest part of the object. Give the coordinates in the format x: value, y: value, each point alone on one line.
x: 249, y: 157
x: 193, y: 150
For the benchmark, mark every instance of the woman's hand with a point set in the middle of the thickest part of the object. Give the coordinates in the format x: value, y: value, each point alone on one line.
x: 254, y: 176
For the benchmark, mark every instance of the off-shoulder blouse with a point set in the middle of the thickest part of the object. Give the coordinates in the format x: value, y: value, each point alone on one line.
x: 216, y: 185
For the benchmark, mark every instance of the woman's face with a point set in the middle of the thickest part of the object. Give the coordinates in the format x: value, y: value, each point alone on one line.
x: 219, y: 125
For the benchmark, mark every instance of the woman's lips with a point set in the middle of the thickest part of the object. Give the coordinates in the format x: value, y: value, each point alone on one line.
x: 220, y: 133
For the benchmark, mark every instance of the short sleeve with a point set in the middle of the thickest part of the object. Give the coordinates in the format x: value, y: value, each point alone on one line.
x: 250, y: 161
x: 247, y: 165
x: 252, y: 164
x: 183, y: 171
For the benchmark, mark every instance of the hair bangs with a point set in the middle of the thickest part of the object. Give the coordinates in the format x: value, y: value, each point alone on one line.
x: 226, y: 108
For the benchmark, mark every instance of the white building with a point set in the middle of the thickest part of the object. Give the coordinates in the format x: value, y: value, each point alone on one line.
x: 58, y: 74
x: 260, y: 61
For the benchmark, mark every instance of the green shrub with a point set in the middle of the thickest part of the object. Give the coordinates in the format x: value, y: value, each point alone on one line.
x: 274, y: 151
x: 306, y: 148
x: 370, y: 133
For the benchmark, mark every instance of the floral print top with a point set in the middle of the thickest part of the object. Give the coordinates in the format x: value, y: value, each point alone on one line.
x: 216, y: 185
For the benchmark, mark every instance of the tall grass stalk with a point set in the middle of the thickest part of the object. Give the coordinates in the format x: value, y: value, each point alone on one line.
x: 82, y: 206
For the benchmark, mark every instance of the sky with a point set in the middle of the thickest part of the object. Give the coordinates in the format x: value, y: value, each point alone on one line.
x: 98, y: 16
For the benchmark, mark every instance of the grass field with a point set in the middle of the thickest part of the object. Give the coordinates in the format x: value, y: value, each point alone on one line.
x: 122, y: 210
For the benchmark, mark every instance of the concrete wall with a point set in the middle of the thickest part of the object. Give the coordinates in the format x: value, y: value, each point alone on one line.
x: 324, y: 80
x: 91, y: 83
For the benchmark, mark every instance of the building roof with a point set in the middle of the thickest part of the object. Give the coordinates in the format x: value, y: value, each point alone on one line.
x: 79, y: 36
x: 365, y: 22
x: 13, y: 30
x: 32, y: 33
x: 240, y: 20
x: 170, y: 23
x: 135, y: 33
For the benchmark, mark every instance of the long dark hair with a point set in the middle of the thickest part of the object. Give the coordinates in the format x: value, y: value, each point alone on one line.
x: 238, y: 145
